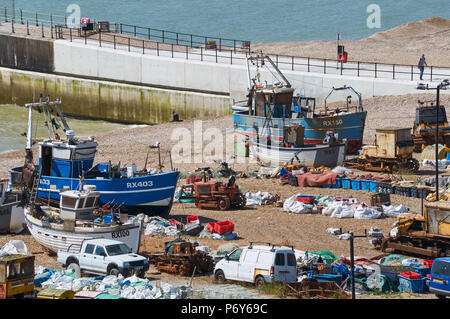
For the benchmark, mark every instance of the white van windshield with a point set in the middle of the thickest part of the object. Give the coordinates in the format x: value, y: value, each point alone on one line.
x: 235, y: 255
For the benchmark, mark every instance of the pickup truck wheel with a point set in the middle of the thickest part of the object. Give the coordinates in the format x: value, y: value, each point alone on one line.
x: 219, y: 277
x: 259, y: 282
x: 75, y: 267
x: 114, y: 272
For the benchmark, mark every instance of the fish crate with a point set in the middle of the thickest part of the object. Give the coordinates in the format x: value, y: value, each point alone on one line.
x: 328, y: 277
x: 338, y: 183
x: 423, y: 271
x: 380, y: 199
x: 402, y: 191
x: 385, y: 188
x: 346, y: 183
x: 356, y: 184
x: 413, y: 192
x: 373, y: 186
x: 365, y: 184
x: 411, y: 285
x: 423, y: 192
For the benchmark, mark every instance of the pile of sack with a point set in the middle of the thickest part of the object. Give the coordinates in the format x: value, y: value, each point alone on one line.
x: 337, y: 207
x: 130, y: 288
x: 260, y: 198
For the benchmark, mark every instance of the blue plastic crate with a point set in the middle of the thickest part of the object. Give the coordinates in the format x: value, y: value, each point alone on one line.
x: 356, y: 184
x: 329, y: 277
x: 411, y: 285
x: 448, y: 156
x: 338, y: 183
x: 346, y: 184
x: 373, y: 186
x: 364, y: 185
x: 423, y: 271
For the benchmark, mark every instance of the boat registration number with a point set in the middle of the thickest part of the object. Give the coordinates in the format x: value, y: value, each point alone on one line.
x: 120, y: 234
x: 334, y: 122
x: 140, y: 184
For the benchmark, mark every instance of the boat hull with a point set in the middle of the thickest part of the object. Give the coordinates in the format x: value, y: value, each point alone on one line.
x: 57, y: 239
x: 310, y: 156
x: 347, y: 126
x: 149, y: 194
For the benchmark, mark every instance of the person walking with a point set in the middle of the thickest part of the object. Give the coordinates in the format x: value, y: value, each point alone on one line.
x: 421, y: 65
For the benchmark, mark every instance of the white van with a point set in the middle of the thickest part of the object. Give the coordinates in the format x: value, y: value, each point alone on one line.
x: 257, y: 264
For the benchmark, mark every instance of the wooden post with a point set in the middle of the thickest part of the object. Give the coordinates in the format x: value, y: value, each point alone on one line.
x: 375, y: 70
x: 129, y: 47
x: 37, y: 23
x: 325, y: 66
x: 143, y: 47
x: 21, y: 16
x: 393, y: 71
x: 51, y: 19
x: 187, y: 54
x: 70, y: 32
x: 358, y: 68
x: 114, y: 39
x: 28, y: 29
x: 42, y: 28
x: 292, y: 63
x: 157, y: 48
x: 100, y: 36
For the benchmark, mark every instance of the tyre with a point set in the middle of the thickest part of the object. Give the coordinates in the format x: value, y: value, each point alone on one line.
x: 113, y: 271
x: 219, y: 277
x: 75, y: 267
x: 259, y: 282
x: 224, y: 204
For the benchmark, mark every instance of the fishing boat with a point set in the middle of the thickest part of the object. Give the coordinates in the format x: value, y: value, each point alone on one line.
x: 63, y: 163
x: 11, y: 210
x: 77, y: 219
x: 309, y: 155
x: 249, y: 116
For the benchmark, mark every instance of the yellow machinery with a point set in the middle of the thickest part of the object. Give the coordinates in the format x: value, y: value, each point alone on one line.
x: 393, y: 150
x: 16, y: 276
x: 427, y: 235
x: 55, y: 294
x: 424, y: 129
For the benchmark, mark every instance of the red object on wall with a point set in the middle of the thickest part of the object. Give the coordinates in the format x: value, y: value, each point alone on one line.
x: 345, y: 57
x: 85, y: 20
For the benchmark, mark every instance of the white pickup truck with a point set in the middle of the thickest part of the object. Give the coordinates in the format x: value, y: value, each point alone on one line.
x: 104, y: 256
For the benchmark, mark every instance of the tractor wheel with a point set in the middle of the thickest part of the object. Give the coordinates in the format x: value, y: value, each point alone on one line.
x: 224, y: 203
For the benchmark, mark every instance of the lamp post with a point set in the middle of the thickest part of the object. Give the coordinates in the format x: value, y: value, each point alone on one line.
x: 441, y: 86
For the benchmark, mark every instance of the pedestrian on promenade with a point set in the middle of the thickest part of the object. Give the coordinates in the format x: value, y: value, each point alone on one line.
x: 421, y: 65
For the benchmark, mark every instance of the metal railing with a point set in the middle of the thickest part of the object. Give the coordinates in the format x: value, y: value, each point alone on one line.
x: 182, y: 45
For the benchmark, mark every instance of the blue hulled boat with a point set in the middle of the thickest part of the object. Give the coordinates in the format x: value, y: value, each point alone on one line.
x: 286, y: 110
x: 69, y: 164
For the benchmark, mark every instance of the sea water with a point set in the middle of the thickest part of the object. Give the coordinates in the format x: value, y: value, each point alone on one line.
x: 256, y: 20
x: 14, y: 125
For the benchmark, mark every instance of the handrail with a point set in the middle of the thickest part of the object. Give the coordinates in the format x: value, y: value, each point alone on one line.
x: 171, y: 42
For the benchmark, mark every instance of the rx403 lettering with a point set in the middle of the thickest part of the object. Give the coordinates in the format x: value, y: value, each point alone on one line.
x: 140, y: 184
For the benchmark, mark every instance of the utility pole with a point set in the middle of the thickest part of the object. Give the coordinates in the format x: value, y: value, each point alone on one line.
x: 441, y: 86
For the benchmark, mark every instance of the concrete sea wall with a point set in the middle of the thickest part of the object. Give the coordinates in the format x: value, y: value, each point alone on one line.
x: 109, y: 100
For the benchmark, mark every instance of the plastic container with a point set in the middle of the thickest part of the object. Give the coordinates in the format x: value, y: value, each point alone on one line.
x: 413, y: 192
x: 210, y: 227
x: 428, y: 262
x: 411, y: 285
x: 364, y: 185
x: 190, y: 219
x: 380, y: 199
x: 356, y: 184
x: 224, y: 227
x: 423, y: 271
x: 107, y: 219
x: 373, y: 186
x: 338, y: 183
x: 410, y: 275
x: 346, y: 184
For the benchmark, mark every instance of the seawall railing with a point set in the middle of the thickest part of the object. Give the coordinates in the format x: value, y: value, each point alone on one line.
x: 158, y: 42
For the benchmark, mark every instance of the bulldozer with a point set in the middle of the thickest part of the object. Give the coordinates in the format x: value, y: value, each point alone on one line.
x: 424, y: 128
x: 392, y: 151
x: 214, y: 195
x: 427, y: 235
x: 181, y: 258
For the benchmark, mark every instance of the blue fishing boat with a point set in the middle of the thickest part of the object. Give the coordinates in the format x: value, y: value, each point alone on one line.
x: 286, y: 110
x: 69, y: 164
